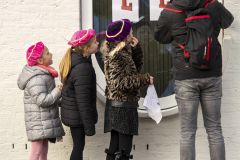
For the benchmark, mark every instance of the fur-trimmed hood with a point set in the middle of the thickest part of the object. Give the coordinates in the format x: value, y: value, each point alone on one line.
x: 110, y: 46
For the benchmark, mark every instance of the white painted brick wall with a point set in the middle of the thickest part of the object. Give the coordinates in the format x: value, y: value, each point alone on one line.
x: 28, y: 21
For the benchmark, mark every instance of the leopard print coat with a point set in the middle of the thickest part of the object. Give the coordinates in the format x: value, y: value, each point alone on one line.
x: 122, y: 73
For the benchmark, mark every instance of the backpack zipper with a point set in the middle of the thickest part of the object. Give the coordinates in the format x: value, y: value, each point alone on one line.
x: 204, y: 56
x: 208, y: 50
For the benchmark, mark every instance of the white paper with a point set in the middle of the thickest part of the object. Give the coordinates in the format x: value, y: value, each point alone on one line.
x: 119, y: 13
x: 152, y: 104
x: 155, y: 10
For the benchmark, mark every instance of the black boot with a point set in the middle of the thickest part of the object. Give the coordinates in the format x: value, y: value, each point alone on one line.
x: 108, y: 153
x: 118, y: 155
x: 129, y: 156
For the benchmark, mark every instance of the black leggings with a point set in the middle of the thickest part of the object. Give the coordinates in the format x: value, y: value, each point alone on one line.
x: 78, y: 136
x: 118, y: 142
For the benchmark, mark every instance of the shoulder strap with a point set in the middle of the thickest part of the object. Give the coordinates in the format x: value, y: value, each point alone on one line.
x: 208, y: 3
x: 170, y: 7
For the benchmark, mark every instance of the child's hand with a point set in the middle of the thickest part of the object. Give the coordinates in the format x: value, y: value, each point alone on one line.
x: 134, y: 42
x: 151, y: 80
x: 60, y: 87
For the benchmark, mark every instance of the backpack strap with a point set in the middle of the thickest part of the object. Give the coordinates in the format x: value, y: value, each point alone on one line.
x: 185, y: 53
x: 208, y: 3
x: 170, y: 7
x: 197, y: 17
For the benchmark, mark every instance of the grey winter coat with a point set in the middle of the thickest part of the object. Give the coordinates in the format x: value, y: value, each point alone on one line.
x: 40, y: 103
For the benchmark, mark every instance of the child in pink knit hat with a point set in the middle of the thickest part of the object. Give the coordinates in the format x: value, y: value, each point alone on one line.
x: 78, y: 108
x: 40, y: 100
x: 39, y: 55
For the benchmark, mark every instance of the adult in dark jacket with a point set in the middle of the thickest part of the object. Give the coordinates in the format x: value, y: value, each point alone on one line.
x: 194, y: 85
x: 78, y: 107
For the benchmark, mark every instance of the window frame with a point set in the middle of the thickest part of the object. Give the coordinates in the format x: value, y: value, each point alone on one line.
x: 168, y: 104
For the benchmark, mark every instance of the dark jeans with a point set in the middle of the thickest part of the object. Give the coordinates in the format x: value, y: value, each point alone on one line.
x: 78, y: 136
x: 207, y: 91
x: 118, y: 142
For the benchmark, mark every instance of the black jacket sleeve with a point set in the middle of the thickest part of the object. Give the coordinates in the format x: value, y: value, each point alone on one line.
x: 82, y: 85
x: 163, y: 30
x: 137, y: 56
x: 226, y: 17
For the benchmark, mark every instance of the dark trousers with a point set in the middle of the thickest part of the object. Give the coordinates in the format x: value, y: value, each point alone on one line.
x: 78, y: 136
x: 118, y: 142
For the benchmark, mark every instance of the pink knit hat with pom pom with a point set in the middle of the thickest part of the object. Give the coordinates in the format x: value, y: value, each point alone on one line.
x: 81, y: 37
x: 34, y: 53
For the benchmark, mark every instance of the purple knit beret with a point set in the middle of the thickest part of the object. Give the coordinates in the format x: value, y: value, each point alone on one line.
x: 117, y: 31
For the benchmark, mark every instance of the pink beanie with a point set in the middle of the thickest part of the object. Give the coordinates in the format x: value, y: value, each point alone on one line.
x: 81, y: 37
x: 34, y: 53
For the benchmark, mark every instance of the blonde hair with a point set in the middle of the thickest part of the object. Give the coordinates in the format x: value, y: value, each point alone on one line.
x: 65, y: 64
x: 104, y: 48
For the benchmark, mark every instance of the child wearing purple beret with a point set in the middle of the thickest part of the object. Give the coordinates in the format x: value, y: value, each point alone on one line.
x: 123, y: 61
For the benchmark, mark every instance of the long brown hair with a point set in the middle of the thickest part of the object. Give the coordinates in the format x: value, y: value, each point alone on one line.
x: 65, y: 64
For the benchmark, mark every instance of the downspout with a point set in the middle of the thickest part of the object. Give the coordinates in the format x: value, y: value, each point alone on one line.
x: 80, y: 14
x: 223, y: 29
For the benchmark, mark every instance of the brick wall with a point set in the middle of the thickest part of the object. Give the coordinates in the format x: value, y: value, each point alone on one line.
x: 28, y: 21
